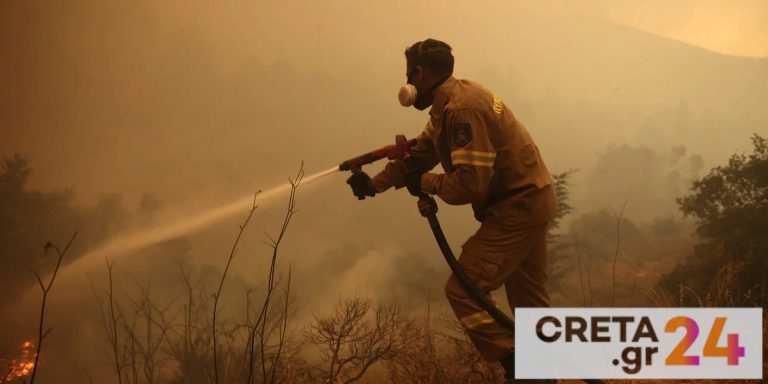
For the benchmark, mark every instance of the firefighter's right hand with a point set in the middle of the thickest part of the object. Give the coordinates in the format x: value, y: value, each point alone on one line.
x: 362, y: 185
x: 427, y: 205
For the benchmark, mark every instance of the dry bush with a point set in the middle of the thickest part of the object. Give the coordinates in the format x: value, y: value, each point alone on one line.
x: 152, y: 341
x: 355, y: 337
x: 185, y: 341
x: 417, y: 361
x: 460, y: 360
x: 722, y: 293
x: 445, y: 355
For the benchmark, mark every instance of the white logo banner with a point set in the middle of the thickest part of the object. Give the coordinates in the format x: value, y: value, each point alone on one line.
x: 638, y: 343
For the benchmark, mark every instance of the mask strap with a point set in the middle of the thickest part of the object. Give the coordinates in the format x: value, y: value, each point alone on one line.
x: 419, y: 53
x: 439, y: 83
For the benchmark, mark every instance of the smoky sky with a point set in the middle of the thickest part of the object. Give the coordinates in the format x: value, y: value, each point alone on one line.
x: 162, y: 95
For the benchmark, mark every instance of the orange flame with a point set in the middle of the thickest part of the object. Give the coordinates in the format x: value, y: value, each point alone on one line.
x: 21, y: 366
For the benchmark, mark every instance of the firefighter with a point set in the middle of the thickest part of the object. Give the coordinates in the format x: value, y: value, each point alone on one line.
x: 490, y: 162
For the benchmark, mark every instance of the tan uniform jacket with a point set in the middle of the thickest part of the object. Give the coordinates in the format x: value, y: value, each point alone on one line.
x: 487, y: 154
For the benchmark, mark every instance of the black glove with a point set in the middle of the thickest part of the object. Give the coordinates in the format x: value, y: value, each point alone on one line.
x: 362, y: 185
x: 427, y: 205
x: 413, y: 182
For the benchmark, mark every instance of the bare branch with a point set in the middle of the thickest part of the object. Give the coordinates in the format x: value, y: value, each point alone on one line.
x: 581, y: 275
x: 264, y: 313
x: 618, y: 217
x: 221, y: 285
x: 40, y: 334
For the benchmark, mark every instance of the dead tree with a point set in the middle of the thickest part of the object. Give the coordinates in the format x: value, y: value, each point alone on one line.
x: 111, y: 319
x: 274, y: 243
x: 46, y: 288
x: 352, y: 339
x: 618, y: 216
x: 221, y: 285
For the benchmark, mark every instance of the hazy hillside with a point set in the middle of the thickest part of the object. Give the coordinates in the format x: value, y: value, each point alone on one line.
x: 208, y: 100
x: 613, y: 82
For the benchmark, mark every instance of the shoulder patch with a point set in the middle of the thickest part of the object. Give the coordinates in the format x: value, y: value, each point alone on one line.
x: 461, y: 134
x: 498, y: 105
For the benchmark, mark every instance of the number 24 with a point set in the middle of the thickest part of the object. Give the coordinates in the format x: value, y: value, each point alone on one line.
x: 732, y: 351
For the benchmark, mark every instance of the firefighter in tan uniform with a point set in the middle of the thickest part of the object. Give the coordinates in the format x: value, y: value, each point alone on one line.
x: 491, y: 162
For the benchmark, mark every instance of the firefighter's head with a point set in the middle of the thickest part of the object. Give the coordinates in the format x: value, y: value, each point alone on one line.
x: 428, y: 64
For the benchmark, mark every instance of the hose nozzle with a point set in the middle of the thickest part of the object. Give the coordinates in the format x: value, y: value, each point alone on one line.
x: 399, y: 150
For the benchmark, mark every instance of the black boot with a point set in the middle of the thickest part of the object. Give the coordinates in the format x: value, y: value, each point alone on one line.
x: 508, y: 363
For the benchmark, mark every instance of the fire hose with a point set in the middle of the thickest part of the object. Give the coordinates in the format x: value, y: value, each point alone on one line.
x: 481, y: 298
x: 464, y: 280
x: 401, y: 151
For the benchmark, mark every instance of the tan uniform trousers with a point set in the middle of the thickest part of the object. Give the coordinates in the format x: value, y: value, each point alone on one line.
x: 509, y: 249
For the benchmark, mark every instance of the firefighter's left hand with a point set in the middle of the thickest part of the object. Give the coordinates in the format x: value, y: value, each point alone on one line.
x: 413, y: 182
x: 427, y: 205
x: 362, y: 185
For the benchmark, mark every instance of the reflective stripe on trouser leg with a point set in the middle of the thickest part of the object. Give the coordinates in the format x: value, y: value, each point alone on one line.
x: 490, y: 258
x: 475, y: 320
x: 491, y: 340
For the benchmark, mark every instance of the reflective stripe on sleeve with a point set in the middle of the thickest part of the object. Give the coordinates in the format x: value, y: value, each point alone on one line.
x: 476, y: 319
x: 478, y: 158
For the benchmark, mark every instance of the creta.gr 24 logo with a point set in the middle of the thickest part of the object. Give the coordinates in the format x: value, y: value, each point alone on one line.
x: 638, y: 343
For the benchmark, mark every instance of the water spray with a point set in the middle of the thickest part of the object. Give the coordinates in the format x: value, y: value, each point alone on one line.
x: 190, y: 224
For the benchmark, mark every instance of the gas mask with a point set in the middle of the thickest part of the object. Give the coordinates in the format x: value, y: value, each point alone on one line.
x: 410, y: 96
x: 407, y: 95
